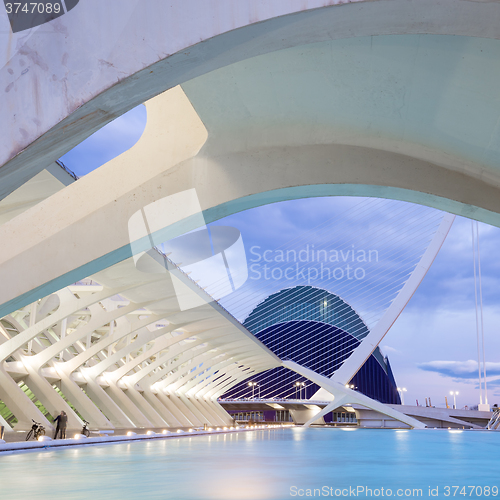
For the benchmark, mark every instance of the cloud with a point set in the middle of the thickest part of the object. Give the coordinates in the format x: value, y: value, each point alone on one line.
x: 459, y: 369
x: 492, y: 383
x: 387, y: 348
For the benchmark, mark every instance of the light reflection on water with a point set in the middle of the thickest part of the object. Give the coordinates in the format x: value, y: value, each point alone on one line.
x: 254, y: 465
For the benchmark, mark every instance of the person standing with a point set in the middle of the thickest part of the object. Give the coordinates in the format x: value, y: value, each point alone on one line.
x: 62, y: 421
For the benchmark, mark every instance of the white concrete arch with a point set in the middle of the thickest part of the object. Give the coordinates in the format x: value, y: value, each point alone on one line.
x: 175, y: 157
x: 172, y: 44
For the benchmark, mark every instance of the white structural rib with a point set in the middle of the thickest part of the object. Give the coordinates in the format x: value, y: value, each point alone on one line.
x: 117, y: 350
x: 341, y: 396
x: 334, y: 389
x: 359, y: 356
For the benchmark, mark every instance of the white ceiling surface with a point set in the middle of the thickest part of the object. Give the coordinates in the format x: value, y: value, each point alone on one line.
x: 63, y: 80
x: 38, y: 188
x: 431, y: 97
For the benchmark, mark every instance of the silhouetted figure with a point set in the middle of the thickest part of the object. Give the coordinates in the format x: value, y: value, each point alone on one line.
x: 62, y: 421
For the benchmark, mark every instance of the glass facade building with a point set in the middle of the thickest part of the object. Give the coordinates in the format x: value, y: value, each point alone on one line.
x: 318, y: 330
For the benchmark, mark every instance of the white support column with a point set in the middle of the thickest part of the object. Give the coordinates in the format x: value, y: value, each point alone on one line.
x: 200, y: 415
x: 116, y: 415
x: 85, y: 406
x: 222, y: 418
x: 19, y: 404
x: 342, y: 395
x: 189, y: 415
x: 146, y: 408
x: 32, y: 323
x: 47, y: 395
x: 176, y: 412
x: 5, y: 425
x: 162, y: 410
x: 67, y: 308
x: 357, y: 359
x: 64, y: 327
x: 127, y: 406
x: 221, y: 411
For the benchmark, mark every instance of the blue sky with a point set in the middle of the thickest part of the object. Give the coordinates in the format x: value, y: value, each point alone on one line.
x: 432, y: 346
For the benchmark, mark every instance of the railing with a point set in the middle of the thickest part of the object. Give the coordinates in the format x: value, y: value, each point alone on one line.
x: 494, y: 423
x: 273, y: 400
x: 66, y: 169
x: 212, y: 299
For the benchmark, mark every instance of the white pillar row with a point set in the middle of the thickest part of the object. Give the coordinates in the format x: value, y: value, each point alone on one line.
x: 181, y: 417
x: 47, y: 395
x: 223, y: 416
x: 83, y: 403
x: 135, y: 414
x: 114, y: 354
x: 44, y: 391
x: 198, y: 389
x: 19, y: 404
x: 98, y: 318
x: 113, y: 411
x: 64, y: 311
x: 160, y: 407
x: 118, y: 333
x: 179, y: 404
x: 170, y: 381
x: 146, y: 408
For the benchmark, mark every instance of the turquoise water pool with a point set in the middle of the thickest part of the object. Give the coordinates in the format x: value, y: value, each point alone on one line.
x: 276, y: 464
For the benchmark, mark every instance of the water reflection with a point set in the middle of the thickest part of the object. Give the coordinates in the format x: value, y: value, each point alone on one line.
x: 253, y: 465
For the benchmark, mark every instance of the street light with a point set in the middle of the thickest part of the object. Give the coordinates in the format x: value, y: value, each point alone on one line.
x: 454, y: 394
x: 401, y: 391
x: 302, y: 384
x: 297, y: 384
x: 252, y: 385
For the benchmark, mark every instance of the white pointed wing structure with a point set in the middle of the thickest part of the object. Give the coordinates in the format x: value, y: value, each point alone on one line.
x: 356, y: 271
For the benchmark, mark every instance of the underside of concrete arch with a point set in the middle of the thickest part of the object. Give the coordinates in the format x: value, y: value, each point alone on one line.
x: 100, y: 62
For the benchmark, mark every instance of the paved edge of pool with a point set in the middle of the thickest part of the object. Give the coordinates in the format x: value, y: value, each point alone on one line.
x: 83, y: 441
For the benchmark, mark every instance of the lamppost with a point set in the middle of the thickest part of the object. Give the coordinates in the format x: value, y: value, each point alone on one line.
x: 252, y: 385
x: 401, y: 391
x: 297, y: 385
x: 454, y: 394
x: 302, y: 384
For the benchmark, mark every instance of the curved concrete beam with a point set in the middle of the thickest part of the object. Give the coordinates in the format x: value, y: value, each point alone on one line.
x: 225, y: 182
x: 67, y: 78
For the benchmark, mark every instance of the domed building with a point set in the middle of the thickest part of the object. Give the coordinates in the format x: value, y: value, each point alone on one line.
x: 318, y: 330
